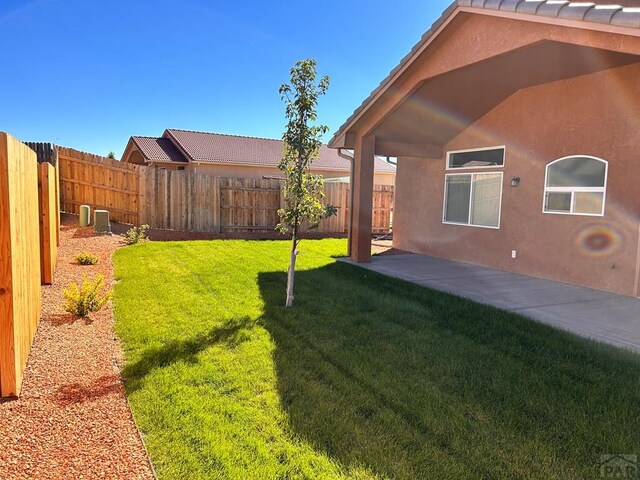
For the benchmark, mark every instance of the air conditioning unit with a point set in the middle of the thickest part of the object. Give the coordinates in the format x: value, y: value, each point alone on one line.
x: 85, y: 215
x: 101, y: 223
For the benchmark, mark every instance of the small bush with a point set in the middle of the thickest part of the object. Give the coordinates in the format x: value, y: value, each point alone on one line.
x: 136, y: 234
x: 86, y: 298
x: 86, y: 258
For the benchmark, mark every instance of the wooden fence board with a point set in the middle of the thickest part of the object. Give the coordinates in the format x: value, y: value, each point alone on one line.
x: 48, y: 221
x: 249, y: 204
x: 19, y: 260
x: 335, y: 194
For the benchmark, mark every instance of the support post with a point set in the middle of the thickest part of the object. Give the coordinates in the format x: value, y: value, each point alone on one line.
x: 362, y: 208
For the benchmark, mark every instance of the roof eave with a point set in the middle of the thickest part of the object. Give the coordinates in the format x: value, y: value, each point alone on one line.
x: 427, y: 38
x: 556, y: 21
x: 168, y: 162
x: 127, y: 149
x: 259, y: 165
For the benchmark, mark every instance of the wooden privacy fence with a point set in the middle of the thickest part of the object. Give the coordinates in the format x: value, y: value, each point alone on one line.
x: 177, y: 201
x: 180, y: 200
x: 29, y: 239
x: 19, y: 260
x: 87, y: 179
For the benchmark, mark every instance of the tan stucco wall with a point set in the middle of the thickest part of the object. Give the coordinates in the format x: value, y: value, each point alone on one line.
x: 384, y: 178
x: 136, y: 157
x: 170, y: 166
x: 257, y: 172
x: 594, y: 115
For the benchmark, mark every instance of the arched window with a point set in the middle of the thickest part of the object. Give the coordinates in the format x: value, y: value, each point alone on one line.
x: 576, y: 185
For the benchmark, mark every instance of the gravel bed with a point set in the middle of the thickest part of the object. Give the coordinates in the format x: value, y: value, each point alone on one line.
x: 72, y: 420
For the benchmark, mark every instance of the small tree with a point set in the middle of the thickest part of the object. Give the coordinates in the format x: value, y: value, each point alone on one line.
x: 302, y: 190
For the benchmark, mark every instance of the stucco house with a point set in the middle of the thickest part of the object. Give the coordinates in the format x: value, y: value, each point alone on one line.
x: 517, y: 130
x: 235, y: 156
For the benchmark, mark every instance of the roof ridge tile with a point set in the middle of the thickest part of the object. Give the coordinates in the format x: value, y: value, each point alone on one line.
x: 227, y: 149
x: 223, y: 134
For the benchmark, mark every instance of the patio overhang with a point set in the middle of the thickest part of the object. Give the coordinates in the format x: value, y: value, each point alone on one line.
x: 440, y: 108
x: 470, y: 62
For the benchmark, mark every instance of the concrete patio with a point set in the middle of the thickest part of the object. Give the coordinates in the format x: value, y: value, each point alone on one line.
x: 595, y: 314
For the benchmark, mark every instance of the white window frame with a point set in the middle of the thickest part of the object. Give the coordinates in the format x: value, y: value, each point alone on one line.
x: 482, y: 149
x: 469, y: 224
x: 574, y: 190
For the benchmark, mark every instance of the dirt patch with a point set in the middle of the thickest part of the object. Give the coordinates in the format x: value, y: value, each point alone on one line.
x: 385, y: 247
x: 73, y: 420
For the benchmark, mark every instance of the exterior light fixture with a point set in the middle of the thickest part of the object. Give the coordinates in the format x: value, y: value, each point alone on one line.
x: 515, y: 181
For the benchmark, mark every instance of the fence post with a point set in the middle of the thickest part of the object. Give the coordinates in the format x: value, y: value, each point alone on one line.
x: 217, y: 205
x: 47, y: 206
x: 142, y: 195
x: 57, y: 193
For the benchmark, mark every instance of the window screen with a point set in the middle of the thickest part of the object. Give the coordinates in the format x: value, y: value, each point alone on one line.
x: 473, y: 199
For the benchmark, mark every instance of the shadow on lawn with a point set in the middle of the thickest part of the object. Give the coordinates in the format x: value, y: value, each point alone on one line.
x: 411, y: 383
x: 183, y: 350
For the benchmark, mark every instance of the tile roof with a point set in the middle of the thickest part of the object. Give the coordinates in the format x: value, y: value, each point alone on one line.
x: 263, y: 152
x: 159, y: 149
x: 600, y: 11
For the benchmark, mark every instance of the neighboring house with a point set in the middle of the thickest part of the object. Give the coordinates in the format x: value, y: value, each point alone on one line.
x: 235, y: 156
x: 517, y: 130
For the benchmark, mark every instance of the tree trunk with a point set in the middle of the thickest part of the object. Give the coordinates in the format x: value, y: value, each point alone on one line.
x: 291, y: 274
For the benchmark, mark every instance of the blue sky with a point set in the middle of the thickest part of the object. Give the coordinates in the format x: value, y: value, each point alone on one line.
x: 88, y: 74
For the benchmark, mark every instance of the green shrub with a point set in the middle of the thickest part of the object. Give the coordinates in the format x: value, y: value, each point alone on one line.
x: 136, y: 234
x: 86, y: 258
x: 86, y: 298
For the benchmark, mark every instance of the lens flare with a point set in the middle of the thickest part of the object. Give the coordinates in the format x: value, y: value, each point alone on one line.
x: 598, y: 241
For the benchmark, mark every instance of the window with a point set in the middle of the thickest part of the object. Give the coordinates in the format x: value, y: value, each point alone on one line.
x: 576, y: 186
x: 473, y: 199
x: 480, y: 158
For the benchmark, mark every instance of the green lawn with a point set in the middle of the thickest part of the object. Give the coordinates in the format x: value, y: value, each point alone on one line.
x: 366, y: 377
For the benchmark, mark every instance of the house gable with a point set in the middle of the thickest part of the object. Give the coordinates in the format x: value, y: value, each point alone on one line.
x: 474, y: 38
x: 152, y: 150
